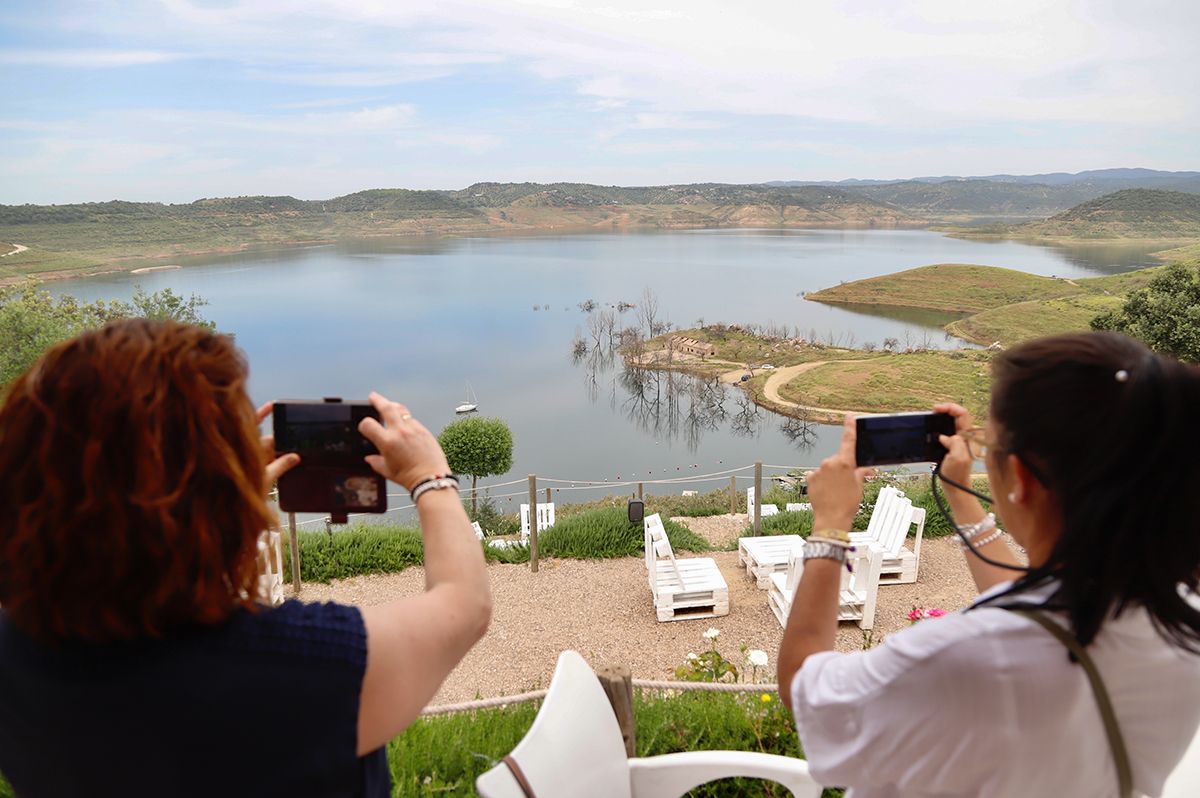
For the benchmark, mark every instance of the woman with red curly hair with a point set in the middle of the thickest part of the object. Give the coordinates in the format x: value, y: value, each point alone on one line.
x: 135, y: 658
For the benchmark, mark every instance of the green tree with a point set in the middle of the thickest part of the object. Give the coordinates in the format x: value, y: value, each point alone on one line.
x: 481, y: 447
x: 1165, y: 315
x: 32, y: 320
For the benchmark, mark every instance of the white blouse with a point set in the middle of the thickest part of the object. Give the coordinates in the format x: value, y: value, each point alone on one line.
x: 986, y: 703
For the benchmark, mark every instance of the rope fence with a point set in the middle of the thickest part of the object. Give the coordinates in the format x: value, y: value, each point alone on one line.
x: 643, y: 684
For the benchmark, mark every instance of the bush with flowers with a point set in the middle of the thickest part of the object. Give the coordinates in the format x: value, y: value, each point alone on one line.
x: 921, y: 613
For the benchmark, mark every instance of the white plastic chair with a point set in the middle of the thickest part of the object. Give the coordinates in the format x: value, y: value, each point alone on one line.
x: 574, y: 749
x: 545, y: 518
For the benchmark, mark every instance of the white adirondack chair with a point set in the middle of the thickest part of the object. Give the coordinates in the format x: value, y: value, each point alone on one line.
x: 270, y: 567
x: 887, y: 532
x: 764, y: 555
x: 478, y: 530
x: 574, y: 749
x: 856, y: 599
x: 545, y: 518
x: 682, y: 589
x: 767, y: 509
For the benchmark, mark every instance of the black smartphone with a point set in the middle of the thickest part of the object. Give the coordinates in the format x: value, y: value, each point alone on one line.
x: 902, y: 438
x: 332, y: 476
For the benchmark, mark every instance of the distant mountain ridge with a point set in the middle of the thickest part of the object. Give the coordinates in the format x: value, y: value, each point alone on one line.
x: 1137, y: 175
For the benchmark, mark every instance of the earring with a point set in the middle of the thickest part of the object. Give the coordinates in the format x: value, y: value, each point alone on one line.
x: 1012, y: 497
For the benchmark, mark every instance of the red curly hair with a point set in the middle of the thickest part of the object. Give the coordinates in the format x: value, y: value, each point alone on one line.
x: 133, y: 488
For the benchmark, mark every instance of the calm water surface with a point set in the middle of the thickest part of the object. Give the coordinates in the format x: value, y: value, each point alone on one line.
x: 417, y: 319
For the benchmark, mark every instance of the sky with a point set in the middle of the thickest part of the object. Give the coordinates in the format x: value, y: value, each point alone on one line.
x: 173, y: 100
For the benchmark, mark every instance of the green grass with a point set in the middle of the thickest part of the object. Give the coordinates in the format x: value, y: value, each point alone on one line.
x: 451, y: 751
x: 1012, y: 324
x: 376, y: 549
x: 897, y: 382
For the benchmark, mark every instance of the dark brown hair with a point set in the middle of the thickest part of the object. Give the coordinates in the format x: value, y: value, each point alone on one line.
x: 133, y: 487
x: 1112, y: 429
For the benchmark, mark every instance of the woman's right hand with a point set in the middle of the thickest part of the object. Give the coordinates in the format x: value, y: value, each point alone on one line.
x: 408, y: 453
x: 957, y: 463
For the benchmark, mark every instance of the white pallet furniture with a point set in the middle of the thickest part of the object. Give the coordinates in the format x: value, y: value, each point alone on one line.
x: 478, y: 530
x: 797, y: 507
x: 270, y: 567
x: 574, y: 749
x: 887, y: 532
x: 856, y: 599
x: 682, y: 589
x: 764, y: 555
x: 767, y: 509
x: 545, y: 518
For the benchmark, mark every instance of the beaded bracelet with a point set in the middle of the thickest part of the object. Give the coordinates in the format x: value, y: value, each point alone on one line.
x: 972, y: 531
x: 978, y: 544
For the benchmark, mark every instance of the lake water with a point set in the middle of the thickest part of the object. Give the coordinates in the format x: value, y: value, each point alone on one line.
x: 417, y: 318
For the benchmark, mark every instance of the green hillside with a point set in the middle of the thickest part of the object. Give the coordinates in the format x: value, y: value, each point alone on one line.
x: 980, y: 198
x: 1132, y: 213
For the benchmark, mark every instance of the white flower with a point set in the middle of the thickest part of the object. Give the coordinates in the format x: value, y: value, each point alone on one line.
x: 757, y: 658
x: 692, y: 655
x: 712, y: 634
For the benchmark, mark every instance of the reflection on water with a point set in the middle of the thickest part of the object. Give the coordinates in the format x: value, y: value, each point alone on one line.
x: 1110, y: 257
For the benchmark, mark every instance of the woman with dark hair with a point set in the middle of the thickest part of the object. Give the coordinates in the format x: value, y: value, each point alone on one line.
x: 135, y: 657
x: 1092, y: 457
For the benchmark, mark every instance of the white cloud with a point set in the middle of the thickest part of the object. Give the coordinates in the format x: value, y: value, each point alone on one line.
x: 89, y: 59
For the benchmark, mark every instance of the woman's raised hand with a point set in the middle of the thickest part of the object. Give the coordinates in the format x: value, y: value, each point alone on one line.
x: 276, y: 466
x: 836, y: 488
x: 957, y: 463
x: 408, y: 453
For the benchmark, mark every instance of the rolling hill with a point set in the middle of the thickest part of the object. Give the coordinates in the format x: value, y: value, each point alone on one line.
x: 1131, y: 213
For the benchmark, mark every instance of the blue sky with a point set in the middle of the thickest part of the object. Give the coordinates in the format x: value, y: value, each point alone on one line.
x: 173, y: 100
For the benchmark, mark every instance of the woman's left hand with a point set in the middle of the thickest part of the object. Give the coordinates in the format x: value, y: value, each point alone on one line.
x: 276, y: 466
x: 836, y: 488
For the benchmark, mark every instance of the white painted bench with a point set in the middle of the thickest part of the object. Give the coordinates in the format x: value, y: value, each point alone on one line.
x: 887, y: 532
x: 857, y: 595
x: 545, y: 518
x: 767, y: 509
x: 682, y: 589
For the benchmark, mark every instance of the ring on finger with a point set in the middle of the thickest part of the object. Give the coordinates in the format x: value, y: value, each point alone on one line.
x: 406, y: 417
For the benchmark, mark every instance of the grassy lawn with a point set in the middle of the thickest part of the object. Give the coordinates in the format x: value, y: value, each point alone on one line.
x: 948, y: 287
x: 742, y: 347
x: 895, y: 383
x: 1014, y: 323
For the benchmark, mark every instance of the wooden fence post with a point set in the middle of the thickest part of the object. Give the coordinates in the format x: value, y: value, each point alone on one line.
x: 732, y: 495
x: 295, y: 548
x: 533, y: 526
x: 547, y: 495
x: 758, y: 497
x: 617, y: 682
x: 639, y: 491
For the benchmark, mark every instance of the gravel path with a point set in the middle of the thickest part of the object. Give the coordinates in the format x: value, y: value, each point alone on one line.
x: 602, y: 608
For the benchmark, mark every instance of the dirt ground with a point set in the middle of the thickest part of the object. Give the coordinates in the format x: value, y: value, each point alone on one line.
x: 603, y: 609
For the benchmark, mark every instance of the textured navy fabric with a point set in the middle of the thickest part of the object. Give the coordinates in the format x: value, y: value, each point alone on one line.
x: 265, y: 704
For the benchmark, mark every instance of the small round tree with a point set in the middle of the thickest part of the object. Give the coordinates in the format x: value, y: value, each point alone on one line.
x: 481, y: 447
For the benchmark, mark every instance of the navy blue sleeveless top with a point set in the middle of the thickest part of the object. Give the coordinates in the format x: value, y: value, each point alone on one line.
x: 265, y: 704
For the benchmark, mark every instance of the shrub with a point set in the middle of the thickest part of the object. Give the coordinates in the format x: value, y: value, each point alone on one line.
x: 361, y: 549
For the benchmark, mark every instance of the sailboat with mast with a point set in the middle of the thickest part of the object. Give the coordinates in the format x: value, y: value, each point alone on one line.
x: 471, y: 404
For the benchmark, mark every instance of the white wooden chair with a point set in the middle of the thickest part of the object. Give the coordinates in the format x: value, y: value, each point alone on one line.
x: 856, y: 599
x: 270, y: 567
x: 767, y: 509
x: 478, y: 530
x: 682, y: 589
x: 887, y: 532
x: 764, y: 555
x: 545, y: 518
x: 574, y: 749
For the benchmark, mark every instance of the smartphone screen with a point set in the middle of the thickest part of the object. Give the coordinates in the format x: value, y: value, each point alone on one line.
x: 323, y: 433
x: 902, y: 438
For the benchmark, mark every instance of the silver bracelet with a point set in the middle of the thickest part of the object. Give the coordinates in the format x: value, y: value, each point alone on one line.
x: 972, y: 531
x: 978, y: 544
x: 432, y: 484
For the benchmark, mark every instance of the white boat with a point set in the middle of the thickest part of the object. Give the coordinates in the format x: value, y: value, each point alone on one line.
x: 469, y: 406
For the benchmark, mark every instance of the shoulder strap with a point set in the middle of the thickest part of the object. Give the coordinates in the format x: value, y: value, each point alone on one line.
x: 1115, y: 741
x: 519, y: 776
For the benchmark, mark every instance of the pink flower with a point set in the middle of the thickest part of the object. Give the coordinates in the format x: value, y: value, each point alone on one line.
x: 935, y: 612
x: 916, y: 614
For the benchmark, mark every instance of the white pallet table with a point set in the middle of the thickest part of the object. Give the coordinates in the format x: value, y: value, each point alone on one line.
x: 764, y: 555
